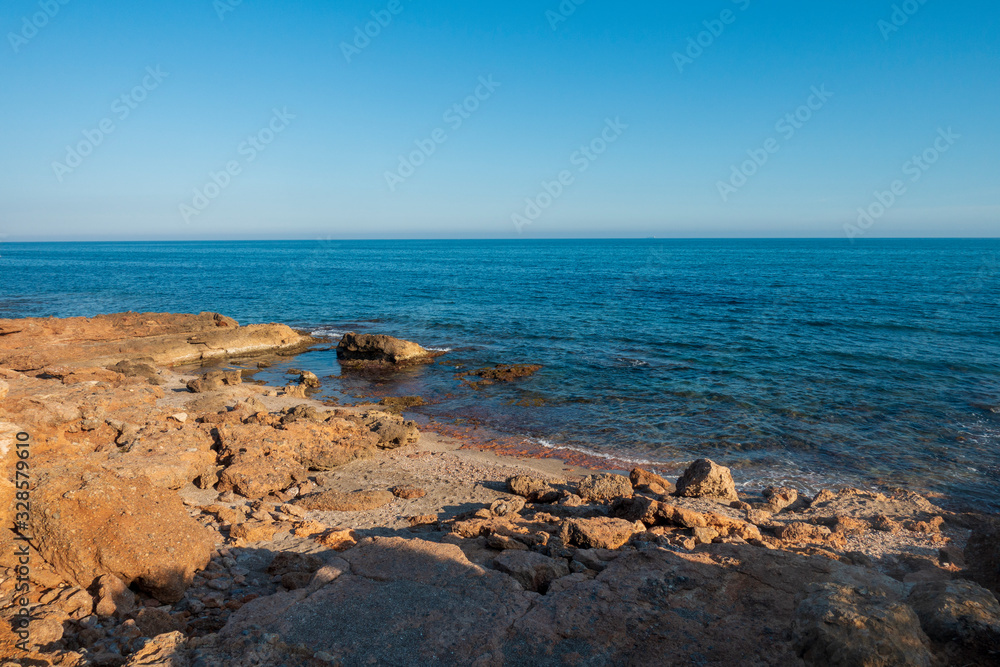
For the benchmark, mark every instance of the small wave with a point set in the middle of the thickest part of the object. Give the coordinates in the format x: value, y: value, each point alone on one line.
x: 634, y: 363
x: 589, y: 452
x: 438, y: 349
x: 329, y: 333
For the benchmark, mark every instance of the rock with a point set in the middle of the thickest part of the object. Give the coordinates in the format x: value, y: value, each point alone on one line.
x: 253, y: 531
x: 422, y: 520
x: 296, y: 580
x: 257, y: 477
x: 338, y: 540
x: 503, y: 542
x: 798, y: 531
x: 215, y: 380
x: 504, y: 373
x: 367, y: 348
x: 159, y: 339
x: 309, y: 379
x: 704, y: 535
x: 137, y: 369
x: 290, y: 561
x: 408, y: 492
x: 640, y: 477
x: 600, y: 532
x: 778, y: 498
x: 929, y: 527
x: 844, y: 625
x: 605, y: 487
x: 335, y: 501
x: 154, y: 545
x: 164, y: 650
x: 982, y: 555
x: 533, y: 571
x: 705, y: 478
x: 392, y: 430
x: 180, y: 417
x: 886, y: 525
x: 113, y: 597
x: 959, y: 611
x: 4, y: 389
x: 507, y: 507
x: 400, y: 602
x: 528, y: 487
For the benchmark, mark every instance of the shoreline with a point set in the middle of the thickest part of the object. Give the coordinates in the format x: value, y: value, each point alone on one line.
x: 240, y: 509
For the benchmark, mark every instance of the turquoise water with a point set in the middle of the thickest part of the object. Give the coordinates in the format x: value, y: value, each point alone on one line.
x: 811, y: 361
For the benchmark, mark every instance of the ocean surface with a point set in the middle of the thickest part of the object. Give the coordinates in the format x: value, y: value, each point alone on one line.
x: 809, y: 362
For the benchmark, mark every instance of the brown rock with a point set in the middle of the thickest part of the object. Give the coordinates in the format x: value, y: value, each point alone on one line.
x: 89, y: 523
x: 335, y: 501
x: 507, y: 507
x: 160, y: 339
x: 504, y: 373
x: 600, y: 532
x: 931, y: 527
x: 798, y: 531
x: 533, y: 571
x: 309, y: 379
x: 528, y: 487
x: 886, y: 525
x: 982, y: 555
x: 640, y: 477
x: 253, y: 531
x: 165, y: 650
x: 605, y: 487
x: 367, y: 348
x: 704, y: 535
x: 408, y: 492
x: 214, y: 381
x: 391, y: 430
x: 290, y: 561
x: 843, y: 625
x: 778, y: 498
x: 338, y: 540
x: 705, y: 478
x: 422, y: 520
x: 257, y: 477
x: 958, y: 611
x: 113, y: 597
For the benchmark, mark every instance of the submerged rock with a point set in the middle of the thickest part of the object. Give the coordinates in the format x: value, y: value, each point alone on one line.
x: 357, y: 348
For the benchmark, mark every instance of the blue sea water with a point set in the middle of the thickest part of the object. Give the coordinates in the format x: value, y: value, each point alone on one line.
x: 812, y: 362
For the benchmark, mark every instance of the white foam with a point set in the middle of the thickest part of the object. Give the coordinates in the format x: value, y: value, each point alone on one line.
x: 589, y: 452
x: 438, y: 349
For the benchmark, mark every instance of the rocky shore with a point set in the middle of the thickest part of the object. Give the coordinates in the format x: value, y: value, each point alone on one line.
x: 197, y: 520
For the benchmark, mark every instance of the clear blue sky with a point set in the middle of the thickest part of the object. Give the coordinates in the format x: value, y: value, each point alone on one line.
x: 689, y: 121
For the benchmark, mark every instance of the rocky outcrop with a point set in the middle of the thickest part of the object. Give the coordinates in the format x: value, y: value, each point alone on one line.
x: 840, y: 624
x: 214, y: 381
x: 532, y: 570
x: 365, y: 349
x: 156, y: 338
x: 958, y: 611
x: 600, y: 532
x: 707, y: 479
x: 88, y: 523
x: 982, y: 555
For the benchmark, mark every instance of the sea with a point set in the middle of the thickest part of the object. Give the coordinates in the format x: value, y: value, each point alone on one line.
x: 810, y: 363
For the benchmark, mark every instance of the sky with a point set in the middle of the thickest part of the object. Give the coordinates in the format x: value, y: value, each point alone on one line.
x: 258, y: 119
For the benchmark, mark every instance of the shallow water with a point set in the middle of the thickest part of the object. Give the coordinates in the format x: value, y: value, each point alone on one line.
x: 819, y: 361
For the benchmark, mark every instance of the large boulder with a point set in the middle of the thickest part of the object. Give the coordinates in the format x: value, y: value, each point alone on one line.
x: 982, y: 555
x: 88, y: 523
x: 707, y: 479
x: 398, y: 602
x: 600, y: 532
x: 357, y: 348
x: 839, y: 624
x: 958, y: 611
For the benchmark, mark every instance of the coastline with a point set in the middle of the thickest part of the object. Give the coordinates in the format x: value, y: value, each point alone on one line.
x: 253, y: 475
